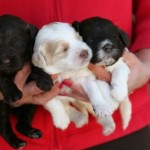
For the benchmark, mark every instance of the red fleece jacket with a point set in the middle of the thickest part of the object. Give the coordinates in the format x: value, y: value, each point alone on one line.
x: 40, y: 12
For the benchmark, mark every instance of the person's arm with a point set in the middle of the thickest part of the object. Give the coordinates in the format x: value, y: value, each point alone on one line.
x: 31, y: 93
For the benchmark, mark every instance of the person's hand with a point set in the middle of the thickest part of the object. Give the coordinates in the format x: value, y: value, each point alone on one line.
x: 140, y: 71
x: 100, y: 73
x: 31, y: 93
x: 140, y: 74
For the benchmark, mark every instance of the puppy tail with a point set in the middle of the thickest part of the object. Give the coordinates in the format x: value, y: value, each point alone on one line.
x: 125, y: 109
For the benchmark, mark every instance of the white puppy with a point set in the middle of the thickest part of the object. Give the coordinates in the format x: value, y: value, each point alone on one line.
x: 60, y: 49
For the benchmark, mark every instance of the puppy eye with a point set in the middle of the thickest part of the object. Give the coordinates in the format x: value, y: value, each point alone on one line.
x: 65, y: 49
x: 108, y: 48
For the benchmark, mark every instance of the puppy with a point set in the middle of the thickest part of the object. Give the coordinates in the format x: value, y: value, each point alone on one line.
x: 108, y: 43
x: 59, y: 49
x: 16, y: 48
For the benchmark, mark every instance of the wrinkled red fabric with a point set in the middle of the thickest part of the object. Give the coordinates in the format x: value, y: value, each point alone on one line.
x: 40, y: 12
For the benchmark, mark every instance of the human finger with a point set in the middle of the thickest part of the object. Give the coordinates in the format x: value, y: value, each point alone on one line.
x: 77, y: 92
x: 130, y: 59
x: 44, y: 97
x: 37, y: 99
x: 100, y: 72
x: 32, y: 89
x: 22, y: 75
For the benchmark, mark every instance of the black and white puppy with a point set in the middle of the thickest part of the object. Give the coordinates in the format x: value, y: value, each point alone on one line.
x: 16, y: 47
x: 108, y: 43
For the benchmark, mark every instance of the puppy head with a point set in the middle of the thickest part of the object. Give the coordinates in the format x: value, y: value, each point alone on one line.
x: 16, y: 43
x: 64, y: 52
x: 106, y: 40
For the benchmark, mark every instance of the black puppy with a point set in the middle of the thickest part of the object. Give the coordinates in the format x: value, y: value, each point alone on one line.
x: 16, y: 47
x: 106, y: 40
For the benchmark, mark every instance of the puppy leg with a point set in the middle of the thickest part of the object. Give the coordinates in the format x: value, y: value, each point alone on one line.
x: 100, y: 106
x: 84, y: 107
x: 76, y: 110
x: 119, y: 87
x: 108, y: 125
x: 42, y: 79
x: 125, y: 109
x: 9, y: 89
x: 25, y: 115
x: 105, y: 89
x: 6, y: 129
x: 80, y: 118
x: 60, y: 117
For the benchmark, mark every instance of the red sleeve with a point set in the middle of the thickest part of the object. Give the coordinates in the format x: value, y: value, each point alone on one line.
x: 141, y: 29
x: 37, y: 12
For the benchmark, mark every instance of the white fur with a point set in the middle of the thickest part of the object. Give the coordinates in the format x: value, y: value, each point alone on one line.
x: 61, y: 32
x: 105, y: 58
x: 60, y: 117
x: 120, y: 72
x: 117, y: 94
x: 70, y: 65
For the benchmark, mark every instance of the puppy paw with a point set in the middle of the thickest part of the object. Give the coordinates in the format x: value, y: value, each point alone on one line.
x: 42, y: 79
x: 81, y: 122
x: 29, y: 131
x: 103, y: 110
x: 108, y: 129
x: 118, y: 94
x: 17, y: 143
x: 12, y: 95
x: 34, y: 133
x: 44, y: 82
x: 62, y: 123
x: 79, y: 119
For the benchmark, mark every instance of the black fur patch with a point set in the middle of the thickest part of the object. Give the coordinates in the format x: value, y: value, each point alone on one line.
x: 96, y: 30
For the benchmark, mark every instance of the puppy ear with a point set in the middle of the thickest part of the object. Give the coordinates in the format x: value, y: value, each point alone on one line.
x: 76, y: 25
x: 51, y: 48
x: 32, y: 31
x: 124, y: 37
x: 38, y: 60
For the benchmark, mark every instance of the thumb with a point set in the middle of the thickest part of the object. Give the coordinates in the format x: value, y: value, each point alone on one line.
x: 100, y: 72
x: 31, y: 89
x: 22, y: 75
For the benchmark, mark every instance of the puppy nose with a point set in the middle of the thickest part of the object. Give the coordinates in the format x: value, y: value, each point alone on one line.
x: 84, y: 54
